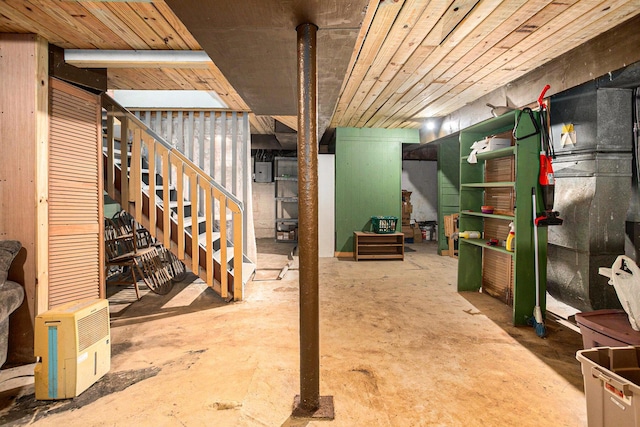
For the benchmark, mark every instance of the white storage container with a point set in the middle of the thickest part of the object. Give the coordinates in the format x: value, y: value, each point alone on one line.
x: 611, y: 378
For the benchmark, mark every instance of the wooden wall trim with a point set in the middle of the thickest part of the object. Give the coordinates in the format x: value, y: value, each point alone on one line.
x: 42, y: 178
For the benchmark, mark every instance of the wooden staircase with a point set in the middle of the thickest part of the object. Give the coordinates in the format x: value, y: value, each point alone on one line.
x: 202, y: 223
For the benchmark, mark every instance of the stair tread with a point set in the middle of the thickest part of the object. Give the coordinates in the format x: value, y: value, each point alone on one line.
x: 172, y: 203
x: 217, y: 255
x: 116, y: 151
x: 158, y: 187
x: 202, y: 239
x: 188, y: 220
x: 248, y: 269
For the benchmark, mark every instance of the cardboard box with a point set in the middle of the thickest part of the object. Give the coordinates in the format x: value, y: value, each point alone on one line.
x: 494, y: 143
x: 417, y: 235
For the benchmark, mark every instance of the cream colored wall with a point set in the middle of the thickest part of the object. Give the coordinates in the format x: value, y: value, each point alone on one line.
x: 264, y: 209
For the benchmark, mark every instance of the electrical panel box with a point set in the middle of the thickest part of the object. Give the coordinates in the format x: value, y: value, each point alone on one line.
x: 263, y: 171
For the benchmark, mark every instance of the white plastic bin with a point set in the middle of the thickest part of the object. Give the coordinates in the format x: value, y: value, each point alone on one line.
x: 611, y: 378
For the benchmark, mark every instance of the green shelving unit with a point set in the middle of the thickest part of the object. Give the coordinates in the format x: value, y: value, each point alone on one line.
x: 509, y: 276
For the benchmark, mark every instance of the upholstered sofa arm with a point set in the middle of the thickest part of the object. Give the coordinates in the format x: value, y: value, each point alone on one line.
x: 11, y: 293
x: 11, y: 296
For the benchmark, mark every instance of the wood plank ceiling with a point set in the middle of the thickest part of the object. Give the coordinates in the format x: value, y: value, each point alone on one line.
x: 412, y: 59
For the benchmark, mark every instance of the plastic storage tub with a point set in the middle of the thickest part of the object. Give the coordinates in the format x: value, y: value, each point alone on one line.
x: 606, y: 328
x: 384, y: 224
x: 611, y: 378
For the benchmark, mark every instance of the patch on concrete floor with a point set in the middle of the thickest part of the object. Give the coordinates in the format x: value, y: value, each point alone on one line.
x: 285, y: 289
x: 26, y: 409
x: 224, y: 405
x: 121, y: 347
x: 368, y: 378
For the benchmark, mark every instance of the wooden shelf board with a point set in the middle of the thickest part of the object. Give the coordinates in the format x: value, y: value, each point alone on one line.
x: 484, y: 215
x: 483, y: 244
x: 509, y: 184
x: 495, y: 154
x: 380, y: 256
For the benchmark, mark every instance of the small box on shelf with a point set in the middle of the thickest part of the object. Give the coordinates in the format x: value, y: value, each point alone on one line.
x: 495, y: 143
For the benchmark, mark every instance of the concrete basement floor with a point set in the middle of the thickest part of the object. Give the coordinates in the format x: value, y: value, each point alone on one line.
x: 399, y: 347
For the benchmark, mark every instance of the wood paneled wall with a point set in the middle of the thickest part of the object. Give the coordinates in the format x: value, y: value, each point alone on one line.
x: 23, y: 137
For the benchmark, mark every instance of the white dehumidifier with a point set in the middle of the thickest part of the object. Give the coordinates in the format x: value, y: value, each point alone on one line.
x: 73, y: 347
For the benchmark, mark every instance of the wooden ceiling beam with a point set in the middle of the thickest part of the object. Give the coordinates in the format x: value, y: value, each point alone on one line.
x: 104, y: 35
x: 262, y: 124
x: 400, y: 63
x: 104, y: 14
x: 290, y: 121
x: 143, y: 30
x: 382, y: 21
x: 32, y: 20
x: 360, y: 39
x: 522, y: 58
x: 510, y: 18
x: 167, y: 34
x: 402, y: 28
x: 488, y: 76
x: 171, y: 18
x: 414, y: 82
x: 515, y: 57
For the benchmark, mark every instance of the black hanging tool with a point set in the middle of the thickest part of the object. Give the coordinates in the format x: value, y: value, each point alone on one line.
x: 547, y: 178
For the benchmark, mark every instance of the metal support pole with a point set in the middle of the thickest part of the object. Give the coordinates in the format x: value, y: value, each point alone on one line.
x: 309, y: 403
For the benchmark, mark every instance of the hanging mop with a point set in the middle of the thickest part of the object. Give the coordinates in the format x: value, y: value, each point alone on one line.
x: 549, y: 216
x: 536, y: 321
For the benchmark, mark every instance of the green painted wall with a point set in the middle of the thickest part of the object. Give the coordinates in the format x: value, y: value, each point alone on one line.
x: 448, y: 183
x: 368, y: 178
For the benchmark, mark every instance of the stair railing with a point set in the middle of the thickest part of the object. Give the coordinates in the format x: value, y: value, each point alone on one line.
x: 207, y: 197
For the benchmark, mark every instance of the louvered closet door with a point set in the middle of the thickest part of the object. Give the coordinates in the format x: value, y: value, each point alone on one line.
x: 75, y: 195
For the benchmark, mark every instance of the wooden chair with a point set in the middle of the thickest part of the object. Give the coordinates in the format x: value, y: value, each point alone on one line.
x: 133, y: 263
x: 143, y: 239
x: 450, y: 227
